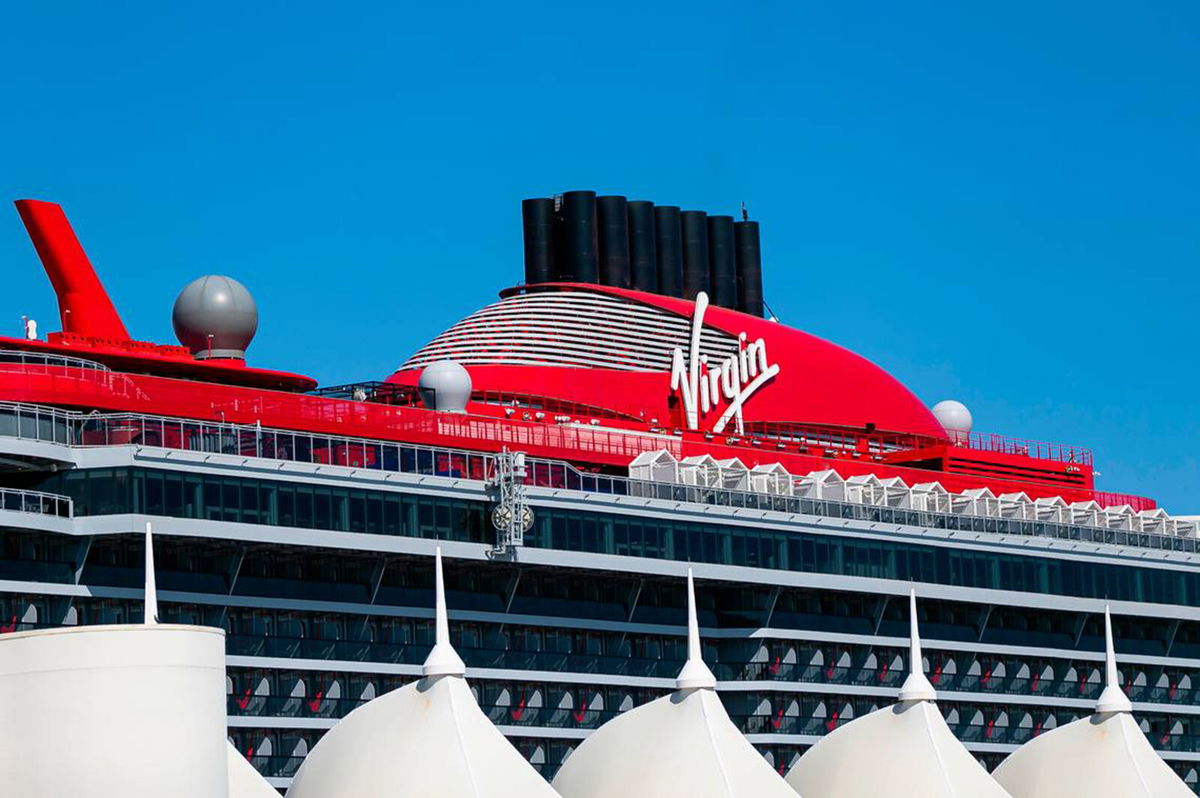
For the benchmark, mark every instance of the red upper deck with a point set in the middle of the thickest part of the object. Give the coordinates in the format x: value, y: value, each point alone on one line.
x: 518, y: 346
x: 581, y: 372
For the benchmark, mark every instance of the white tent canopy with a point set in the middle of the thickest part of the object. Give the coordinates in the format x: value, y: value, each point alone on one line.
x: 427, y: 738
x: 244, y: 780
x: 682, y: 745
x: 902, y: 751
x: 1102, y: 756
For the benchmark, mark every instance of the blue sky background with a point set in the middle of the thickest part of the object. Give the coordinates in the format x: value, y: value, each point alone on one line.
x: 997, y: 203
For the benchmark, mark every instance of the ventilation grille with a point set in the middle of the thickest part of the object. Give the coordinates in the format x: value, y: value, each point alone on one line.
x: 576, y: 329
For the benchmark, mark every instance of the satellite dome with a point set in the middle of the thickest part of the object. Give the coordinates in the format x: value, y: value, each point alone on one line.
x: 954, y: 417
x: 445, y: 386
x: 215, y: 317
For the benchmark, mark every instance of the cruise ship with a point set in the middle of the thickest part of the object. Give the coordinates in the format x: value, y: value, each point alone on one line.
x: 628, y: 412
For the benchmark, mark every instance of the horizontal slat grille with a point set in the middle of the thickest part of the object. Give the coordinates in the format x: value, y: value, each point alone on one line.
x: 570, y: 329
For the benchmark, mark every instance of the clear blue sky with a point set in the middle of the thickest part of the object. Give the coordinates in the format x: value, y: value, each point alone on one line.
x: 997, y: 202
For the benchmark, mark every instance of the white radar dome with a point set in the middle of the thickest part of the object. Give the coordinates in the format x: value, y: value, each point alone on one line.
x: 215, y: 317
x: 445, y: 386
x: 954, y: 417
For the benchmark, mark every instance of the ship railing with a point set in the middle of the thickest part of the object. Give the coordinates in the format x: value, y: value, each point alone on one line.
x: 97, y: 429
x: 1038, y: 450
x: 36, y: 502
x: 21, y: 358
x: 880, y: 514
x: 283, y: 705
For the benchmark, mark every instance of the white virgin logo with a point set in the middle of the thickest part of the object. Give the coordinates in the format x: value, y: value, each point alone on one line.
x: 703, y: 386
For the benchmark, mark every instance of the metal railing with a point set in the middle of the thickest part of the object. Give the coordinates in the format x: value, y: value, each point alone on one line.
x: 96, y: 429
x: 36, y: 502
x: 14, y: 356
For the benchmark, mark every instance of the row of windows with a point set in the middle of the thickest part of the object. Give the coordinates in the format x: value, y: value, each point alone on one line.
x: 309, y: 694
x: 252, y: 501
x: 401, y: 640
x: 354, y: 510
x: 810, y: 553
x: 200, y: 565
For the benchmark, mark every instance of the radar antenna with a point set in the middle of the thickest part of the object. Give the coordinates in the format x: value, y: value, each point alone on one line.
x: 512, y: 516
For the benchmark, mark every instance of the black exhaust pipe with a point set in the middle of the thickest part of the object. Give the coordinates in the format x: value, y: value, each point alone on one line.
x: 613, y: 220
x: 578, y: 259
x: 696, y: 278
x: 749, y: 268
x: 538, y: 217
x: 669, y: 250
x: 721, y: 262
x: 643, y: 264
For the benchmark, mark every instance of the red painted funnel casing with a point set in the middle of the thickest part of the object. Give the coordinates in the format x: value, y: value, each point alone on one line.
x: 83, y: 304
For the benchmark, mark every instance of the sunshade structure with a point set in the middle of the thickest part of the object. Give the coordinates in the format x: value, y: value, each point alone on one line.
x: 1105, y: 755
x: 244, y: 780
x: 429, y: 738
x: 119, y: 711
x: 902, y: 751
x: 682, y: 745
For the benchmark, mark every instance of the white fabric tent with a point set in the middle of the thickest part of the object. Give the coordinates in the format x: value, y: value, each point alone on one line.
x: 114, y: 711
x: 1102, y: 756
x: 682, y: 745
x: 244, y: 780
x: 427, y: 738
x: 901, y: 751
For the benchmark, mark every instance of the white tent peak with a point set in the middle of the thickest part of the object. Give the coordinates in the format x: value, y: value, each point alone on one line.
x: 150, y: 613
x: 1106, y: 755
x: 695, y: 674
x: 916, y: 687
x: 1113, y: 699
x: 681, y: 744
x: 443, y: 660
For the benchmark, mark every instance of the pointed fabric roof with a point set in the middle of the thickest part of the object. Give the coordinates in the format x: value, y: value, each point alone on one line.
x: 1102, y: 756
x: 427, y: 738
x: 682, y: 745
x: 150, y: 607
x: 244, y: 780
x: 902, y: 751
